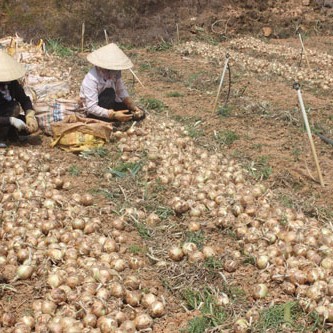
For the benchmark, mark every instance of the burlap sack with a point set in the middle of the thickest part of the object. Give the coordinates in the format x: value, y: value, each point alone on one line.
x: 78, y: 134
x: 54, y: 111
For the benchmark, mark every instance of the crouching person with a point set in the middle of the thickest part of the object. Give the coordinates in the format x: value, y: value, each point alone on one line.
x: 12, y: 99
x: 103, y: 92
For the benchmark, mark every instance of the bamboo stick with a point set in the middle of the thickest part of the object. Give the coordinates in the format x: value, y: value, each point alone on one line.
x: 307, y: 126
x: 106, y: 37
x: 137, y: 78
x: 221, y: 82
x: 303, y: 48
x: 82, y: 36
x: 178, y: 38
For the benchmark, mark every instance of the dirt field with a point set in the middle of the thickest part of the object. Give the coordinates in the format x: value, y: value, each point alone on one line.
x: 240, y: 183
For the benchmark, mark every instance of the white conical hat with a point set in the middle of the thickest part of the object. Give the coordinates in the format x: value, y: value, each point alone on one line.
x: 10, y: 69
x: 110, y: 57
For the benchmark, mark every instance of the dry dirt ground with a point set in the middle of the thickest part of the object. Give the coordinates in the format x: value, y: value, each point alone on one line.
x: 258, y: 124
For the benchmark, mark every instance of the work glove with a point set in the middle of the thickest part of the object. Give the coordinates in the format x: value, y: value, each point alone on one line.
x: 121, y: 115
x: 31, y: 121
x: 18, y: 123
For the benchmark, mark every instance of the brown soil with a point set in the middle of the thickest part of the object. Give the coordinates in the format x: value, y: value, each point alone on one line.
x: 261, y: 116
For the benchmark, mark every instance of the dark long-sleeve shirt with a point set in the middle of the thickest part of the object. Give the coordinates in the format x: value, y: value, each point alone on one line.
x: 16, y: 95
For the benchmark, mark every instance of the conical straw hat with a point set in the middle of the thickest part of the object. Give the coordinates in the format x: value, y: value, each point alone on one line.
x: 110, y: 57
x: 10, y: 69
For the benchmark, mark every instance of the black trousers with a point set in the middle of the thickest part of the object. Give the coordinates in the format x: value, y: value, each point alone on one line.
x: 10, y: 110
x: 107, y: 100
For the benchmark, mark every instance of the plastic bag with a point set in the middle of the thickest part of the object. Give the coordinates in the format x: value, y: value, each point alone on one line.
x: 77, y: 134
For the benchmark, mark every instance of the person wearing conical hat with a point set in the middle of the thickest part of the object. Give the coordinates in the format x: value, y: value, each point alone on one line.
x: 12, y: 99
x: 103, y: 92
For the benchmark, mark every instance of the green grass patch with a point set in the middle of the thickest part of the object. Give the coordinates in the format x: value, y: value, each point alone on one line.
x: 153, y: 104
x: 213, y: 263
x: 96, y: 152
x: 192, y: 125
x: 105, y: 193
x: 168, y: 74
x: 74, y: 170
x: 226, y: 138
x: 260, y: 168
x: 56, y: 47
x: 164, y: 212
x: 224, y: 111
x: 124, y: 169
x: 136, y: 249
x: 196, y: 237
x: 286, y: 201
x: 160, y: 47
x: 211, y: 314
x: 143, y: 231
x: 279, y: 317
x: 174, y: 94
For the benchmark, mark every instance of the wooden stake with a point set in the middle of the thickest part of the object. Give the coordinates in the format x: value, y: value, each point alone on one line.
x: 303, y: 49
x: 178, y: 38
x: 106, y: 37
x: 307, y: 126
x: 221, y: 82
x: 137, y: 78
x: 82, y: 36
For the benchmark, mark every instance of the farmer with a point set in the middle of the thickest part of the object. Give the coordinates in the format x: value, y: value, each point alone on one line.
x: 12, y: 99
x: 103, y: 92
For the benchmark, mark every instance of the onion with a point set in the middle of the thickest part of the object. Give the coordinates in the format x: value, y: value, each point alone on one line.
x: 208, y: 251
x: 48, y: 307
x: 176, y: 253
x: 131, y: 282
x: 143, y: 321
x: 133, y: 298
x: 58, y: 296
x: 28, y: 320
x: 327, y: 263
x: 241, y: 326
x: 86, y: 199
x: 8, y: 319
x: 119, y: 265
x: 106, y: 324
x: 24, y: 272
x: 110, y: 245
x: 260, y: 291
x: 156, y: 309
x: 222, y: 299
x: 230, y: 265
x: 189, y: 247
x: 288, y: 287
x: 153, y: 219
x: 196, y: 256
x: 89, y: 320
x: 116, y: 289
x: 54, y: 280
x: 98, y: 309
x: 148, y: 299
x: 21, y: 328
x: 78, y: 223
x: 128, y: 326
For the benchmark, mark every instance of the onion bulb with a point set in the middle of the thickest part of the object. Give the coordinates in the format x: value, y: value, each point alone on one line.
x: 143, y: 321
x: 176, y: 253
x: 156, y: 309
x: 260, y: 291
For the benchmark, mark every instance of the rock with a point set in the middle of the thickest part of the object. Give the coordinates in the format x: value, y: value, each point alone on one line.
x: 306, y: 2
x: 267, y: 31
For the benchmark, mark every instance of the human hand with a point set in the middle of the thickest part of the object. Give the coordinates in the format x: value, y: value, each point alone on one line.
x: 18, y: 123
x: 121, y: 115
x: 31, y: 120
